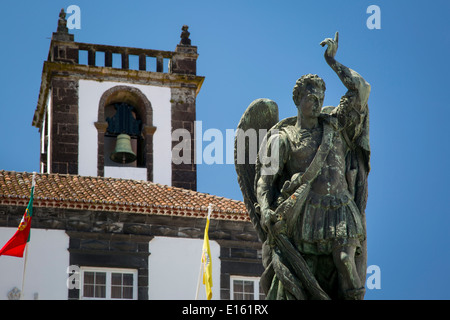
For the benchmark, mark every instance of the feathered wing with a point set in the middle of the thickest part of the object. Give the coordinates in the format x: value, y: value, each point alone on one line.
x: 260, y: 116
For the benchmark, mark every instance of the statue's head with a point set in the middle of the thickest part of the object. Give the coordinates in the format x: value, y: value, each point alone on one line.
x: 308, y: 94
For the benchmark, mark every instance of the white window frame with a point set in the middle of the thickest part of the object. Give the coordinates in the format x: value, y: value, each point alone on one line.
x: 108, y: 272
x: 255, y: 281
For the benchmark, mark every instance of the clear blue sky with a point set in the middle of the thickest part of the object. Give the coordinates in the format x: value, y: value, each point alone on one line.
x: 255, y: 49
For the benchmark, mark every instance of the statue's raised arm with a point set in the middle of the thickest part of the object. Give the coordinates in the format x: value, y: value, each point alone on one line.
x: 352, y: 80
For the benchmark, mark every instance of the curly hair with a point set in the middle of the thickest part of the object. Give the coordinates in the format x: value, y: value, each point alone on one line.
x: 306, y: 84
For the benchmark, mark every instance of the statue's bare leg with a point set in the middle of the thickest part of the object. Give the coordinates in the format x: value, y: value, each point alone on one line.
x: 350, y: 283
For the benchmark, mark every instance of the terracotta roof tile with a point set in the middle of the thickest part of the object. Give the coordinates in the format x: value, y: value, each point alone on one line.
x: 117, y: 195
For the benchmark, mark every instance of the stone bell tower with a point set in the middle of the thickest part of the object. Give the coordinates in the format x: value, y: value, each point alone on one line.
x: 91, y: 94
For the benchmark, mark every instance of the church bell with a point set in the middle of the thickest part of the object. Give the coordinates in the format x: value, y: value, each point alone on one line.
x: 123, y: 152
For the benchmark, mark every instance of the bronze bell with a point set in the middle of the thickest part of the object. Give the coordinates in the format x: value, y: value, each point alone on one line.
x: 123, y: 152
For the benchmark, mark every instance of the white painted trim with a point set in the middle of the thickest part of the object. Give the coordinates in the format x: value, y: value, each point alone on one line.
x: 126, y: 173
x: 49, y: 119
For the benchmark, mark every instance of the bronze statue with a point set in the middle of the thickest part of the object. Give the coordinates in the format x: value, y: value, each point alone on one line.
x: 309, y: 208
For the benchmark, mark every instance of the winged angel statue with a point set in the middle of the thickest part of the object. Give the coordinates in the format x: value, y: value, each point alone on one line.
x: 306, y: 192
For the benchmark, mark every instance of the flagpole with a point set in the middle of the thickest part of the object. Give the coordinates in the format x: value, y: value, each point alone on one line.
x: 24, y: 269
x: 33, y: 183
x: 201, y: 260
x: 199, y: 279
x: 209, y: 211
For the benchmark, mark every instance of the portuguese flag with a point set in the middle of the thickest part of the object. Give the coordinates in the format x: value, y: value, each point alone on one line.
x: 16, y: 245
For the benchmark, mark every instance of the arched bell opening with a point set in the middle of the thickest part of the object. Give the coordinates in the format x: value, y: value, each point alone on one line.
x: 125, y: 112
x: 124, y: 142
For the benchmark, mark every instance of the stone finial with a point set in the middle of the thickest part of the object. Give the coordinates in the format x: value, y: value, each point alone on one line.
x: 185, y: 36
x: 62, y: 32
x: 62, y: 22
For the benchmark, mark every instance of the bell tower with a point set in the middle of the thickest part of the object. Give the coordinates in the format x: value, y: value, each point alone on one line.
x: 110, y: 111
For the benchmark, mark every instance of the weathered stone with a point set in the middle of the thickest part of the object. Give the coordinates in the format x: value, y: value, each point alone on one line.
x: 190, y: 232
x: 110, y: 227
x: 135, y: 228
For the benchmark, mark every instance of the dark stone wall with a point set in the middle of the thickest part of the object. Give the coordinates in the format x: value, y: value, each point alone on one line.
x: 184, y: 60
x: 184, y: 175
x: 108, y: 250
x: 238, y: 260
x: 64, y: 126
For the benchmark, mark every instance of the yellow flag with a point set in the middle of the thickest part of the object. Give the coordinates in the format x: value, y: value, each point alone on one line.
x: 206, y: 261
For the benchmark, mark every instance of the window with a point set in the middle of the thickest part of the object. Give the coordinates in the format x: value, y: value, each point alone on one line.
x: 107, y: 283
x: 245, y: 288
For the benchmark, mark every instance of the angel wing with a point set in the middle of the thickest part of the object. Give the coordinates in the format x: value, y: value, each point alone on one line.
x: 260, y: 116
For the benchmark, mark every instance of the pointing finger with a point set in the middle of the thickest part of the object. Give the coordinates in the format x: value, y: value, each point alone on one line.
x: 326, y: 41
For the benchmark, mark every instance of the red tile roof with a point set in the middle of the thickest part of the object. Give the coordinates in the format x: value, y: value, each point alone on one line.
x: 116, y: 195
